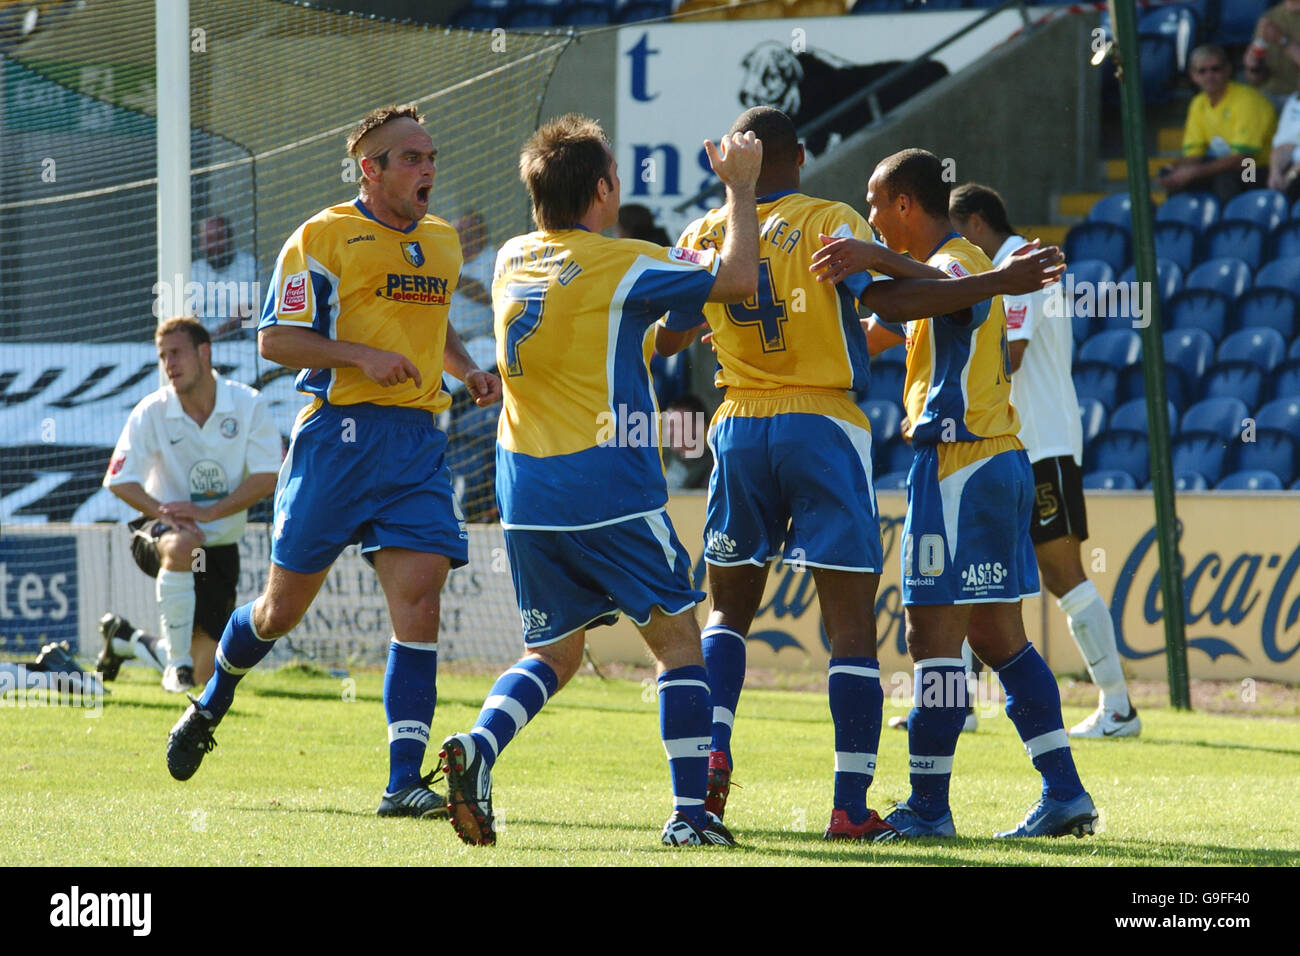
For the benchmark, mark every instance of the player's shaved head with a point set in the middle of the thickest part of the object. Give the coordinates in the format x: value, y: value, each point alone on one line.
x: 775, y: 130
x: 972, y: 199
x: 375, y: 134
x: 917, y: 173
x: 561, y: 164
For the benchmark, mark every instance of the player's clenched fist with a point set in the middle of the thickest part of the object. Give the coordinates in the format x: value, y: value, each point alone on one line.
x: 736, y: 159
x: 484, y: 387
x: 388, y: 368
x: 1030, y: 268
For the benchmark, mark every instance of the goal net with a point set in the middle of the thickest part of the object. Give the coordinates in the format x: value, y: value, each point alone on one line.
x: 274, y: 89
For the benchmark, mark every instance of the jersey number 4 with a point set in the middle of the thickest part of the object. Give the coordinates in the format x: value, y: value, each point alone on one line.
x: 530, y: 297
x: 765, y: 311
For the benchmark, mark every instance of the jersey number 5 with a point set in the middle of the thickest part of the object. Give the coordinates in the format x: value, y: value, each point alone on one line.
x: 765, y: 311
x: 530, y: 297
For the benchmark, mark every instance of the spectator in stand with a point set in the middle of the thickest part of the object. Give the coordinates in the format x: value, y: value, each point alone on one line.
x: 1228, y: 123
x: 228, y: 277
x: 1274, y: 52
x: 637, y: 222
x: 471, y: 306
x: 687, y: 460
x: 1284, y: 163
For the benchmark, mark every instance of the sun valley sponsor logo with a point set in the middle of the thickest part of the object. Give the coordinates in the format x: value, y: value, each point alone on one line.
x: 208, y: 481
x: 77, y: 909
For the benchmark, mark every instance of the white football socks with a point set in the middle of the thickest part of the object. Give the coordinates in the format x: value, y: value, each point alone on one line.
x: 1094, y: 633
x: 176, y: 612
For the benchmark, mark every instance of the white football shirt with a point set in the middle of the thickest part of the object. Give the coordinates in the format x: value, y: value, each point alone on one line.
x: 167, y: 452
x: 1041, y: 389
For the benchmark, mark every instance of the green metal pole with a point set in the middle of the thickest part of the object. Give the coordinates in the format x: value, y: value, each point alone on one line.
x: 1153, y: 366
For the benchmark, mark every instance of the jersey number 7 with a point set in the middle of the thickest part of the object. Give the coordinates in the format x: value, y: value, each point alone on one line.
x: 531, y: 299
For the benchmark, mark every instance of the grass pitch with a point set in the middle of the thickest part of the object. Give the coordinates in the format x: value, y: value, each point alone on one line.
x: 301, y: 762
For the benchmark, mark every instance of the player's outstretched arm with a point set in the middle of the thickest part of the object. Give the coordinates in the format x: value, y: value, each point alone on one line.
x: 737, y: 161
x: 879, y: 337
x: 670, y: 341
x: 304, y: 348
x: 483, y: 387
x: 844, y: 256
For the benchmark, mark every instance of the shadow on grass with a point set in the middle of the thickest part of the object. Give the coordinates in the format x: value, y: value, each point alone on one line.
x: 1216, y: 745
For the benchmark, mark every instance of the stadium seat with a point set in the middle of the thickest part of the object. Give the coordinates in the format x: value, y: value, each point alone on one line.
x: 1264, y: 347
x: 639, y: 10
x: 1120, y: 451
x: 1222, y: 418
x: 1169, y: 280
x: 1200, y: 454
x: 1178, y: 386
x: 1242, y: 380
x: 1116, y: 347
x: 1229, y: 276
x: 1159, y: 58
x: 1270, y: 451
x: 1190, y: 349
x: 1237, y: 19
x: 1267, y: 208
x: 1266, y: 307
x: 1097, y: 381
x: 1285, y: 241
x: 885, y: 417
x: 886, y: 381
x: 1189, y: 481
x: 1178, y: 242
x: 1198, y: 210
x: 1236, y: 238
x: 1115, y: 209
x: 587, y: 14
x: 1281, y: 415
x: 1132, y: 417
x: 476, y: 19
x: 1083, y: 275
x: 1172, y: 21
x: 1294, y: 351
x: 1092, y: 416
x: 878, y: 6
x: 1285, y: 380
x: 1250, y: 481
x: 1109, y: 480
x: 1280, y: 274
x: 1099, y: 240
x: 532, y: 15
x: 1203, y: 309
x: 893, y: 481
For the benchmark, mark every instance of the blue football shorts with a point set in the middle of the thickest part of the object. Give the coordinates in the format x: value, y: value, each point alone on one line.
x: 966, y: 538
x: 792, y: 485
x: 568, y: 580
x: 373, y: 474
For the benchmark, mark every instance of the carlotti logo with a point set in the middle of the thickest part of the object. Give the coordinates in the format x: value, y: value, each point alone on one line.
x: 416, y: 289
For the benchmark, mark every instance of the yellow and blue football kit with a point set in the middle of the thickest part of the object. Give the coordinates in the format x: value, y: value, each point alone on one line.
x: 580, y: 484
x: 793, y: 451
x: 366, y: 463
x: 970, y: 491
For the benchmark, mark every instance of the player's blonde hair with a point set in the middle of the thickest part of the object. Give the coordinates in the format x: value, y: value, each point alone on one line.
x: 375, y: 119
x: 561, y: 164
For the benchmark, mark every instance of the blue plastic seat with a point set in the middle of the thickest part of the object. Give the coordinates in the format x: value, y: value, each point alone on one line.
x: 1109, y: 480
x: 1092, y: 416
x: 1270, y: 451
x: 1281, y: 415
x: 1173, y: 21
x: 1099, y: 240
x: 1158, y: 55
x: 1285, y: 241
x: 585, y: 14
x: 1120, y: 451
x: 1250, y: 481
x: 893, y: 481
x: 1198, y: 210
x: 1169, y: 282
x: 1269, y: 308
x: 1202, y: 454
x: 1097, y: 381
x: 1178, y: 387
x: 1241, y: 380
x: 1189, y: 349
x: 1203, y: 309
x: 885, y: 417
x: 1189, y: 481
x: 1081, y: 276
x: 1280, y: 274
x: 1286, y: 380
x: 1264, y: 347
x: 533, y: 15
x: 476, y: 19
x: 1222, y: 418
x: 1237, y: 19
x: 1294, y: 351
x: 644, y: 10
x: 1229, y: 276
x: 1177, y: 242
x: 1132, y: 417
x: 1115, y: 347
x: 1267, y: 208
x: 1115, y: 209
x: 1236, y: 238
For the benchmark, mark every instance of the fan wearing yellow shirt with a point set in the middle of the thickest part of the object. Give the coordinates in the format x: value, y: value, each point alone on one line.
x: 793, y: 478
x: 967, y: 556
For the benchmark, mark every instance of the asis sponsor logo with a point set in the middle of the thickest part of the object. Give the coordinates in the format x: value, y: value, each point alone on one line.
x: 984, y: 575
x: 534, y: 620
x: 294, y: 297
x: 416, y: 289
x: 719, y: 545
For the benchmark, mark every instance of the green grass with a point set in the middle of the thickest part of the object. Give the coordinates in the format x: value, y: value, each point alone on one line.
x: 299, y: 769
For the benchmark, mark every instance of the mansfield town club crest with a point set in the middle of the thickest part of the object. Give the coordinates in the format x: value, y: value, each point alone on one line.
x: 413, y: 253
